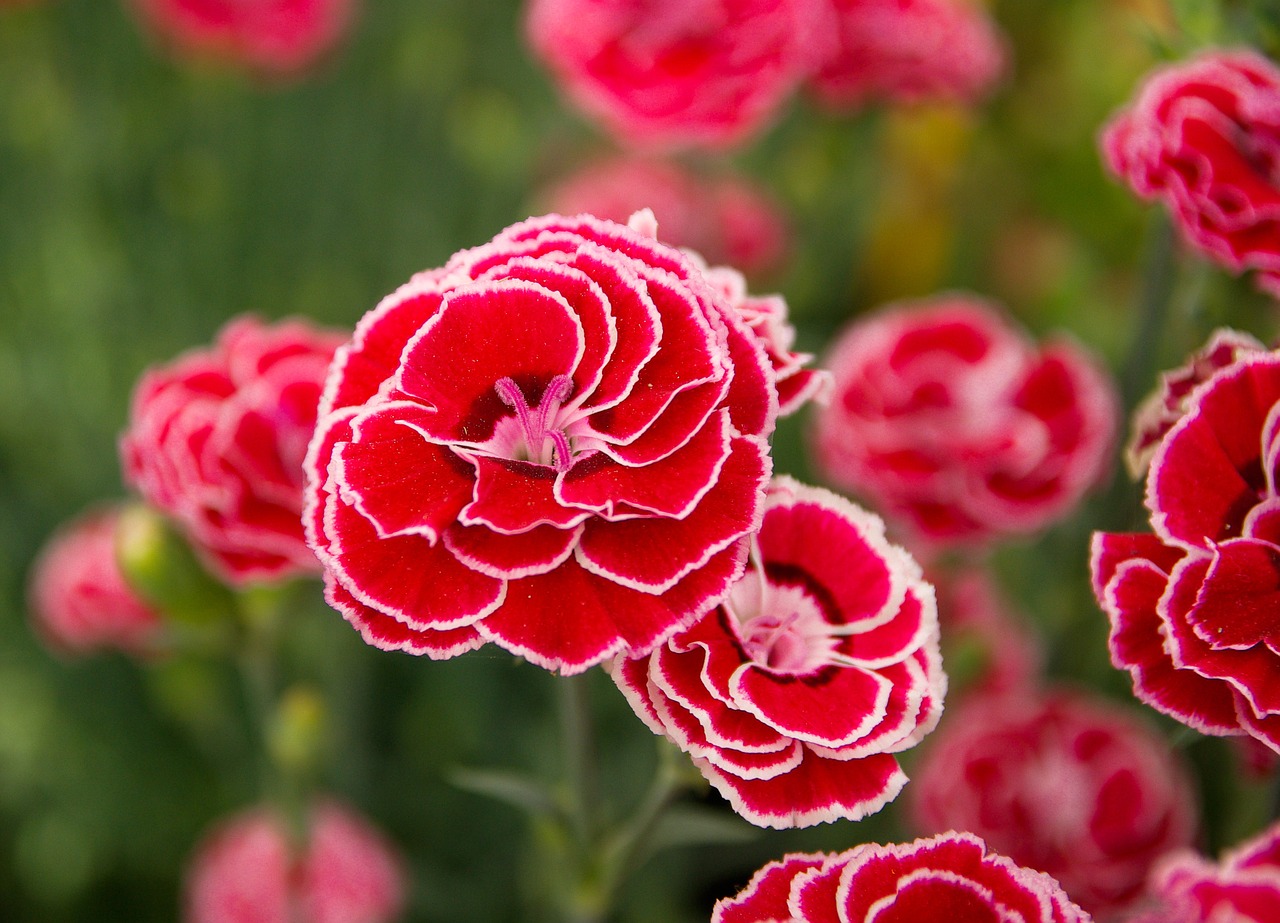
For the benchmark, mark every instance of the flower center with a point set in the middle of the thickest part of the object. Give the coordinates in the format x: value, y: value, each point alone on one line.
x: 537, y: 438
x: 781, y: 627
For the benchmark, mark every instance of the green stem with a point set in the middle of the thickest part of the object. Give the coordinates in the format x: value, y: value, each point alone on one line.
x: 579, y: 741
x: 1158, y: 271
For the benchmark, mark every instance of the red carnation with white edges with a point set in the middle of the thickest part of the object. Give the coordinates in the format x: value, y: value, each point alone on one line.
x: 216, y: 439
x: 946, y: 879
x: 909, y: 51
x: 675, y: 73
x: 558, y: 443
x: 1203, y: 137
x: 79, y: 598
x: 1061, y: 783
x: 793, y: 695
x: 274, y: 37
x: 1243, y: 888
x: 954, y: 425
x: 248, y: 871
x: 1193, y: 605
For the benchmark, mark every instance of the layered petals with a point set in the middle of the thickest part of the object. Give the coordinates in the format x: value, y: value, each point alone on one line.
x: 1244, y: 887
x: 556, y: 443
x: 794, y: 693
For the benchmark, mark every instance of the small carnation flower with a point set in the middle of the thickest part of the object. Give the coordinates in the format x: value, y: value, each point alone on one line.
x: 1193, y: 604
x: 1064, y: 784
x: 273, y: 37
x: 1243, y: 888
x: 216, y: 439
x: 1167, y: 404
x: 951, y: 423
x: 557, y: 443
x: 946, y: 879
x: 794, y: 694
x: 724, y: 218
x: 676, y: 73
x: 909, y: 51
x: 80, y: 600
x: 1203, y: 137
x: 247, y: 871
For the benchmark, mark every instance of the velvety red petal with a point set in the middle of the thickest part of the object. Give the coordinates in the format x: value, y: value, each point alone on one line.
x: 833, y: 707
x: 516, y: 496
x: 510, y: 556
x: 1238, y: 605
x: 765, y: 896
x: 390, y: 634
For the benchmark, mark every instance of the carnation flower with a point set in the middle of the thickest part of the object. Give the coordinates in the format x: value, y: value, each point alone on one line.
x: 723, y: 218
x: 948, y: 878
x: 78, y: 596
x: 268, y: 36
x: 1203, y: 137
x: 247, y: 871
x: 955, y: 426
x: 909, y: 51
x: 1061, y: 783
x: 216, y: 440
x: 1193, y: 606
x: 672, y: 73
x: 557, y: 442
x: 794, y: 694
x: 1243, y: 888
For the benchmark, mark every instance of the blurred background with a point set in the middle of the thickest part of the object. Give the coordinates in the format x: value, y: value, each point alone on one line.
x: 145, y: 200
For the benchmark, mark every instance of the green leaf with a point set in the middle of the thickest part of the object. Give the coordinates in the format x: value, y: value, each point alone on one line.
x: 509, y: 787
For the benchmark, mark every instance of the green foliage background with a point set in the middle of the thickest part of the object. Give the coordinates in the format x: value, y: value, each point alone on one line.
x: 143, y: 202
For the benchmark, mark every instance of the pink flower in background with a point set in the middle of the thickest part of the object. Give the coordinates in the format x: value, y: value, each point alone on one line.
x: 78, y: 596
x: 948, y: 879
x: 766, y: 317
x: 216, y: 440
x: 1243, y: 888
x: 1193, y: 606
x: 674, y: 73
x: 1203, y: 137
x: 1064, y: 784
x: 557, y: 443
x: 269, y: 36
x: 794, y: 694
x: 978, y: 624
x: 1165, y: 406
x: 951, y: 423
x: 724, y: 218
x: 246, y: 872
x: 909, y: 51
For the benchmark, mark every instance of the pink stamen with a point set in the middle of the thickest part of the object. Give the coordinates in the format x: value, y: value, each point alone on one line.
x: 535, y: 423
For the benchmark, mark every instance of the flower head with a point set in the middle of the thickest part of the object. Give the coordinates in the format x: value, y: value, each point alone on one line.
x: 672, y: 73
x: 557, y: 443
x: 217, y: 437
x: 1192, y: 605
x: 246, y: 871
x: 946, y: 879
x: 1064, y: 784
x: 909, y: 51
x: 273, y: 37
x: 793, y: 695
x: 1203, y: 137
x: 78, y: 596
x: 955, y: 426
x: 1243, y: 888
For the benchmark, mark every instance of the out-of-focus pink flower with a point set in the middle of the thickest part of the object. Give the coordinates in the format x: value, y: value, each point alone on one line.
x: 557, y: 443
x: 947, y: 878
x: 909, y: 51
x: 794, y: 694
x: 955, y: 426
x: 766, y: 317
x: 976, y: 619
x: 268, y: 36
x: 216, y: 439
x: 1243, y: 888
x: 1203, y: 137
x: 79, y: 597
x: 724, y: 218
x: 1165, y: 406
x: 246, y: 871
x: 674, y: 73
x: 1193, y: 606
x: 1065, y: 784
